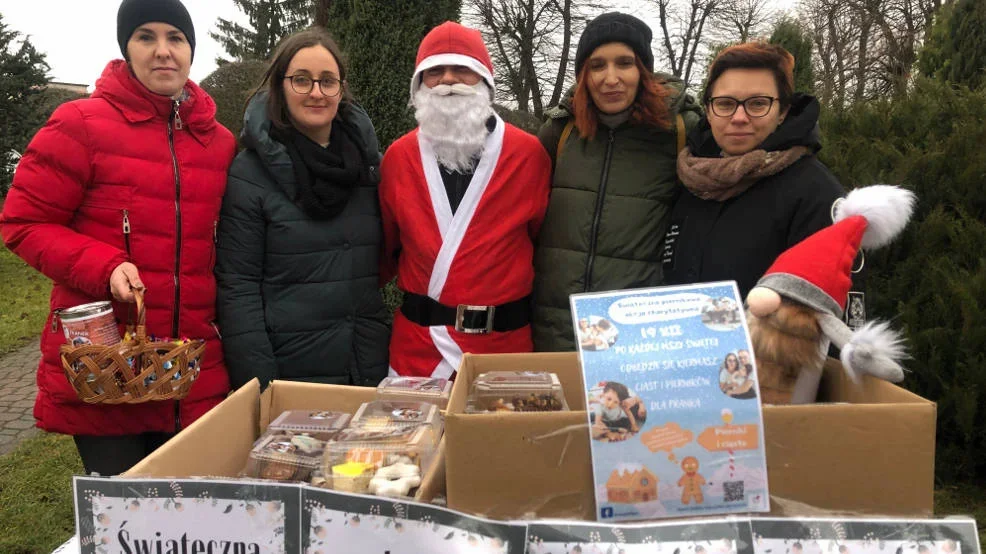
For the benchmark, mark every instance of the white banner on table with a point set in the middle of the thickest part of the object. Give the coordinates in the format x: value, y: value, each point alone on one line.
x: 198, y: 516
x: 134, y: 516
x: 713, y: 536
x: 864, y: 536
x: 340, y: 523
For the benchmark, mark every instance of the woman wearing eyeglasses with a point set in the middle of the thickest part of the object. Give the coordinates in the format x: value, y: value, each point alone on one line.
x: 300, y: 229
x: 754, y: 186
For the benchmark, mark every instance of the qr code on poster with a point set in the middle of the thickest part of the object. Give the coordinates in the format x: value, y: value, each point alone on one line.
x: 733, y: 491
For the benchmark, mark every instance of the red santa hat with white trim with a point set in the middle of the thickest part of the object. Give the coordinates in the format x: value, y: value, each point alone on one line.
x: 452, y: 44
x: 817, y: 273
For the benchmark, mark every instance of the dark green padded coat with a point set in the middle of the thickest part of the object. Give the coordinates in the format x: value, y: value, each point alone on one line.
x: 298, y: 298
x: 611, y: 197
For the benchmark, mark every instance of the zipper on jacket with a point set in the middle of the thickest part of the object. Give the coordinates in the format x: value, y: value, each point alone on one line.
x: 215, y: 243
x: 177, y: 416
x: 126, y: 231
x: 177, y: 116
x: 174, y: 166
x: 603, y: 179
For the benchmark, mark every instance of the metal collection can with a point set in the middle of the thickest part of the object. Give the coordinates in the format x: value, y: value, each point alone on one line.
x: 90, y: 324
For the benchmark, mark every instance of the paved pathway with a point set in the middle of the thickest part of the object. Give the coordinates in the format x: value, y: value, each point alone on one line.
x: 17, y: 390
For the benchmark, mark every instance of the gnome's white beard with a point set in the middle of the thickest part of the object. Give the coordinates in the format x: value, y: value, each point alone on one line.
x: 453, y: 119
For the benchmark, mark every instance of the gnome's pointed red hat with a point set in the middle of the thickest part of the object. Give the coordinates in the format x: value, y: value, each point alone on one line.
x: 452, y: 44
x: 817, y: 271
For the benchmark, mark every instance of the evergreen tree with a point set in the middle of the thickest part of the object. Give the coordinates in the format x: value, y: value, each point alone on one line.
x: 789, y: 34
x: 23, y: 76
x: 230, y: 85
x: 380, y: 39
x: 270, y: 21
x: 955, y: 50
x: 932, y: 281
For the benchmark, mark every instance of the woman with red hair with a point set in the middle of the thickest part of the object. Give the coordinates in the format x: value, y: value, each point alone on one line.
x: 613, y: 142
x: 754, y: 185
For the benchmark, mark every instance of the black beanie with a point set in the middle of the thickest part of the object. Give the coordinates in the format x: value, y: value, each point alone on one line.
x: 615, y: 27
x: 134, y: 13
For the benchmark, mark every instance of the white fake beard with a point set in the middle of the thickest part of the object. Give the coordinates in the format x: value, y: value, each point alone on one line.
x: 453, y: 119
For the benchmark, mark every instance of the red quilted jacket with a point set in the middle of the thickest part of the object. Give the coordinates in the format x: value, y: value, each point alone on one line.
x: 114, y: 178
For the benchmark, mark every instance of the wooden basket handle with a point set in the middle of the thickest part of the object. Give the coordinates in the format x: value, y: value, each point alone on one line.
x: 141, y: 329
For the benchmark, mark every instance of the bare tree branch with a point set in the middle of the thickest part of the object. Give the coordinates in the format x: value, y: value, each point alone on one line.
x: 532, y: 46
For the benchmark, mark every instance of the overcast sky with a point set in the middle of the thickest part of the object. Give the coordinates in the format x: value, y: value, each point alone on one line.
x: 79, y: 36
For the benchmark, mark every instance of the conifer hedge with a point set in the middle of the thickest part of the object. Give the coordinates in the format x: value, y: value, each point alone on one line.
x: 931, y: 282
x: 380, y: 41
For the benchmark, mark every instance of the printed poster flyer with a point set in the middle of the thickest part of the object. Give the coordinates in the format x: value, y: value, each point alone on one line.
x: 673, y: 402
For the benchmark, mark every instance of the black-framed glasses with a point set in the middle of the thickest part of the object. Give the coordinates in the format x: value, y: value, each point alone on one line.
x: 754, y: 106
x: 303, y: 84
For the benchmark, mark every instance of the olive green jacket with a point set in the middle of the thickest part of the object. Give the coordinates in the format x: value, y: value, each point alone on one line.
x: 611, y: 197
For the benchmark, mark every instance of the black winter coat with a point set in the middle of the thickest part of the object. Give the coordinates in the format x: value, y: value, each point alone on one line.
x: 740, y: 238
x: 298, y: 298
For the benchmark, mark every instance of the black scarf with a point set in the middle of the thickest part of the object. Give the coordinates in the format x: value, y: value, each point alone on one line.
x: 326, y: 176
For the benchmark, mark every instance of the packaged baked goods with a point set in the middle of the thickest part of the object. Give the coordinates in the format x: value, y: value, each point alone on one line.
x: 516, y: 391
x: 320, y: 424
x: 318, y: 479
x: 416, y: 389
x: 284, y: 456
x: 386, y: 461
x: 387, y: 414
x: 351, y: 477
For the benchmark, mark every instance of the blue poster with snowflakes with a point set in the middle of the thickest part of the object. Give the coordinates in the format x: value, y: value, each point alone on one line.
x: 673, y: 402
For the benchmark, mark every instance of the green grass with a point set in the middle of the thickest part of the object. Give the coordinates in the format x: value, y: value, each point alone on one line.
x: 36, y: 508
x: 964, y: 500
x: 25, y: 302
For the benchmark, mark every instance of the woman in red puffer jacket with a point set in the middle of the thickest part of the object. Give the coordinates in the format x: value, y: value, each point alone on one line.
x: 123, y: 190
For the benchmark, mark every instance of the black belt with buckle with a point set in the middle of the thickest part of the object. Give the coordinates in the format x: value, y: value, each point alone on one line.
x: 467, y: 318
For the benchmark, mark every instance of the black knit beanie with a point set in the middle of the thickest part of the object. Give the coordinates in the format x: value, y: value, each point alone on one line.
x: 134, y: 13
x: 615, y: 27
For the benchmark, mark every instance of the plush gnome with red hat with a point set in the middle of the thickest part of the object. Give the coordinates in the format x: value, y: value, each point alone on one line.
x: 796, y: 308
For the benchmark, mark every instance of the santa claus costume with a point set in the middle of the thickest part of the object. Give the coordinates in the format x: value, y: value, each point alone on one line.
x: 465, y: 266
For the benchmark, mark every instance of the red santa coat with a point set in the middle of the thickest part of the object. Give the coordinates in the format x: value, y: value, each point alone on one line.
x: 481, y: 255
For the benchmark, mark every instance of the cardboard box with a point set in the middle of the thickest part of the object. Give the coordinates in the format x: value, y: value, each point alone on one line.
x: 862, y: 450
x: 218, y: 443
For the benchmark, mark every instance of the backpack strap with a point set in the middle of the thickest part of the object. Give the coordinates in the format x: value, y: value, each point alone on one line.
x: 680, y: 124
x: 564, y: 138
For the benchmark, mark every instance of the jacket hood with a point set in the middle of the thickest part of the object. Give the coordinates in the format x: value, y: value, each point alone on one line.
x: 679, y: 100
x: 256, y: 136
x: 274, y: 155
x: 800, y: 128
x: 118, y: 86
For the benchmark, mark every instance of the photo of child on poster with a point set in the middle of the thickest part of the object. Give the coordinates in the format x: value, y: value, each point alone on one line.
x: 616, y: 413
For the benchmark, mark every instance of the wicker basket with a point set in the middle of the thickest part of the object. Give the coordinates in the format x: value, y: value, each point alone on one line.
x: 134, y: 370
